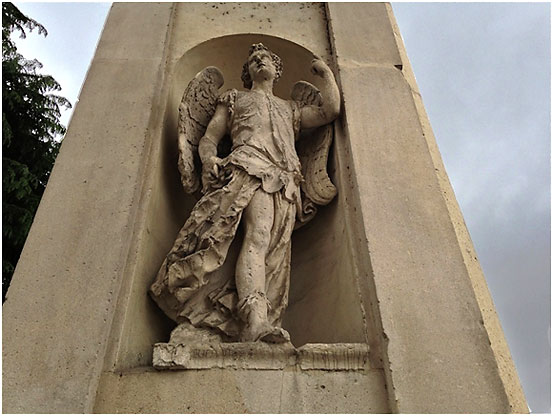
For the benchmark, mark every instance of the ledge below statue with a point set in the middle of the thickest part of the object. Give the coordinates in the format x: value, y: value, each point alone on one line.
x: 261, y: 356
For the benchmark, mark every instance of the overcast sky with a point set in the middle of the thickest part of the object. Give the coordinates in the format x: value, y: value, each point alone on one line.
x: 484, y: 73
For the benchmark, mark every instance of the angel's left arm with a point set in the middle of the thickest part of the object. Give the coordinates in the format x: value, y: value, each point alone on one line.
x: 315, y: 116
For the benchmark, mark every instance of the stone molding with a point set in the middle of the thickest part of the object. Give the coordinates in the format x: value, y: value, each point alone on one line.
x: 261, y: 356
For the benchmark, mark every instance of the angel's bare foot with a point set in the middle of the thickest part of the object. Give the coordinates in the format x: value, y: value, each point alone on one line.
x: 186, y: 333
x: 253, y: 331
x: 257, y: 327
x: 276, y: 336
x: 257, y: 324
x: 263, y: 331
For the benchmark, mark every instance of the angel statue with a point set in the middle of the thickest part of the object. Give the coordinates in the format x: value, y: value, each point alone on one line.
x: 261, y: 182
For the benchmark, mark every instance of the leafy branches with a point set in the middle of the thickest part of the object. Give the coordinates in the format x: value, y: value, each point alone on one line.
x: 30, y: 136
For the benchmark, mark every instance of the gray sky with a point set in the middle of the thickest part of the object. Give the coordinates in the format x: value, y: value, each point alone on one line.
x: 484, y: 73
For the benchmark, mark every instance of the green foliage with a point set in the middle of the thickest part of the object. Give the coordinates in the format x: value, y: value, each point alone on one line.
x: 30, y: 136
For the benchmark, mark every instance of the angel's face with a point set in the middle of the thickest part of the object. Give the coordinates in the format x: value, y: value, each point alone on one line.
x: 261, y: 66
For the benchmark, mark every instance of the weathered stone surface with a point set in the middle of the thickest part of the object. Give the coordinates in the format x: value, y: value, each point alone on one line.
x: 430, y: 318
x: 242, y: 391
x: 302, y: 23
x: 260, y: 356
x: 371, y: 43
x: 333, y: 357
x: 241, y: 355
x: 61, y: 302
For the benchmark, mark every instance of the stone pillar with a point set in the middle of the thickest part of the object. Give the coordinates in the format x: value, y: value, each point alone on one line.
x: 393, y: 287
x: 60, y: 305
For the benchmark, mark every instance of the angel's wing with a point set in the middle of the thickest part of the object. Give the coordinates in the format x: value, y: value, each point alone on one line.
x: 313, y: 150
x: 195, y: 111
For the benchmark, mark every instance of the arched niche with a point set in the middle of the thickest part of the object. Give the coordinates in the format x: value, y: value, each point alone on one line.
x: 324, y: 303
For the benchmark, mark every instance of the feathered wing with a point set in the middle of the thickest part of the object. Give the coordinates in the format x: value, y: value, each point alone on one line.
x: 313, y: 150
x: 195, y: 111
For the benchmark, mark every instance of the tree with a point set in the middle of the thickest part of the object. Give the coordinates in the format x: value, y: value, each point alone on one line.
x: 31, y: 132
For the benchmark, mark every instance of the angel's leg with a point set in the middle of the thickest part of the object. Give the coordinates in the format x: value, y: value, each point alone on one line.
x: 250, y: 266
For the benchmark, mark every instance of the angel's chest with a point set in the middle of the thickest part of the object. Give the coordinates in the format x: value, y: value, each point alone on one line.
x: 256, y: 109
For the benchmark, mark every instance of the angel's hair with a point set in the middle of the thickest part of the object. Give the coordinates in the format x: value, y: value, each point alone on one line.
x: 246, y: 79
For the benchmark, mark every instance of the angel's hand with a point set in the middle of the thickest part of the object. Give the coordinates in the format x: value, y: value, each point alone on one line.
x: 319, y: 67
x: 214, y: 176
x: 210, y: 170
x: 211, y: 162
x: 318, y: 114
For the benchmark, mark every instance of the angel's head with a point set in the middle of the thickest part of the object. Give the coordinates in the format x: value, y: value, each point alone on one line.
x: 261, y: 62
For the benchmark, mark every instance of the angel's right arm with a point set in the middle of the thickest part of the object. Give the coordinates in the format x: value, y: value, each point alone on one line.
x: 216, y: 129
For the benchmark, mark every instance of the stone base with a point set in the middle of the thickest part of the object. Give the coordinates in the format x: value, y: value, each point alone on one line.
x: 235, y: 391
x: 260, y: 356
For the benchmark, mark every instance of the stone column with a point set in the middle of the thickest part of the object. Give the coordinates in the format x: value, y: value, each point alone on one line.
x: 61, y: 302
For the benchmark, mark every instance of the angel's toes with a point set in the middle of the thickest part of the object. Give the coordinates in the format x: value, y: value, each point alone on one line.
x: 276, y: 336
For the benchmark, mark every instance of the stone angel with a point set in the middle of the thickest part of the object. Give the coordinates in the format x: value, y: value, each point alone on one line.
x: 259, y: 181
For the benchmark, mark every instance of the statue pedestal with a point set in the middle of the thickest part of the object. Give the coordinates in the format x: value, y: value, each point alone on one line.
x: 248, y: 378
x: 261, y: 356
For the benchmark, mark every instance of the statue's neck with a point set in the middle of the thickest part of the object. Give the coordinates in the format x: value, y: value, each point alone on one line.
x: 264, y: 86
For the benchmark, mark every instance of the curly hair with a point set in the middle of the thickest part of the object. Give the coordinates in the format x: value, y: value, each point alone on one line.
x: 246, y: 78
